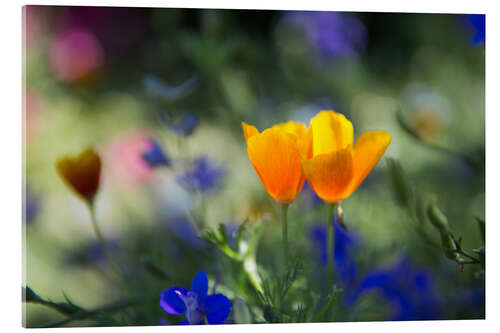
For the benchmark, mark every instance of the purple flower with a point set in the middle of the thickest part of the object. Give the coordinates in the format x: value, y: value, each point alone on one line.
x: 196, y: 303
x: 154, y: 156
x: 333, y: 34
x: 203, y: 176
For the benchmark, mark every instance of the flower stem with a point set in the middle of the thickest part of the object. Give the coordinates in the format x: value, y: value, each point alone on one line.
x: 284, y: 224
x: 105, y: 249
x: 329, y: 250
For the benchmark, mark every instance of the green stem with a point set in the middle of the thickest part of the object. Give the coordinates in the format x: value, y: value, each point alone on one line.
x: 107, y: 252
x: 97, y: 230
x: 284, y: 224
x: 329, y: 252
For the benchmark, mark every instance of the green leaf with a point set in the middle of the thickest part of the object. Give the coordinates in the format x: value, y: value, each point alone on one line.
x: 64, y: 308
x: 30, y: 296
x: 289, y: 278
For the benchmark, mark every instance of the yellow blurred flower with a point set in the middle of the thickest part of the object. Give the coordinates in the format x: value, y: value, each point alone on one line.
x: 427, y: 123
x: 81, y: 173
x: 276, y: 155
x: 338, y: 167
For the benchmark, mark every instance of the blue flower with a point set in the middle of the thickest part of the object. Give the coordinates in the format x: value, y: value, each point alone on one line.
x: 154, y: 156
x: 203, y: 176
x: 333, y: 34
x: 231, y: 229
x: 157, y: 87
x: 470, y: 301
x: 196, y: 303
x: 345, y: 243
x: 408, y: 289
x: 91, y: 252
x: 31, y: 206
x: 477, y: 23
x: 183, y: 126
x: 184, y: 230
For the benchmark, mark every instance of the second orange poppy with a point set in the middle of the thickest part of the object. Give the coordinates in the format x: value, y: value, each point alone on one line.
x: 277, y: 154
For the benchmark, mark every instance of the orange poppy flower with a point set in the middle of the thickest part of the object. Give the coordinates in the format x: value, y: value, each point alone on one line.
x: 81, y: 173
x: 276, y: 155
x: 338, y: 167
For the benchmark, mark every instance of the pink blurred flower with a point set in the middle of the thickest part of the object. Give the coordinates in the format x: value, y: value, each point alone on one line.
x: 124, y: 158
x: 75, y: 54
x: 33, y: 113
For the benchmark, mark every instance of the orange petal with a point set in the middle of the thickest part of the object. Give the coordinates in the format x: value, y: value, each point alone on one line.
x: 276, y: 158
x: 331, y: 132
x: 303, y: 134
x: 81, y: 173
x: 330, y: 175
x: 368, y: 149
x: 248, y: 130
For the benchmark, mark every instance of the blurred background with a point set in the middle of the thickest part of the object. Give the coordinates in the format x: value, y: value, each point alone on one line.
x: 132, y: 81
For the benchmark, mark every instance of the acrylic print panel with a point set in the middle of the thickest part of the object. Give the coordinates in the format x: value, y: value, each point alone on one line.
x: 196, y: 166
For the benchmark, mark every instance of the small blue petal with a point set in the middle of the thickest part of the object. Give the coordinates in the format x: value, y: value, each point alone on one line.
x: 171, y: 302
x: 184, y: 322
x: 217, y: 308
x: 154, y: 156
x: 200, y: 285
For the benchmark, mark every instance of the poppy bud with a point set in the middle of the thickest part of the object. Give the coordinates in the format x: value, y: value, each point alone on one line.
x: 401, y: 187
x: 440, y: 222
x: 81, y: 173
